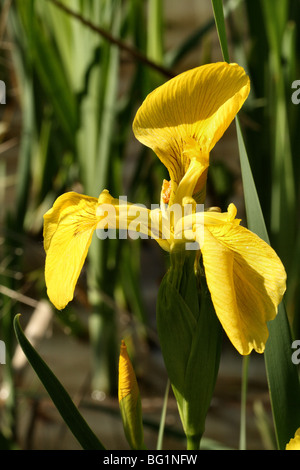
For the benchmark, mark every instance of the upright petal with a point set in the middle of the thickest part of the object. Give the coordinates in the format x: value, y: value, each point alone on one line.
x: 185, y: 117
x: 68, y: 230
x: 246, y: 280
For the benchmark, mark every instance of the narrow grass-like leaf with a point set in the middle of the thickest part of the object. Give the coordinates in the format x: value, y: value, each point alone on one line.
x: 155, y: 31
x: 283, y: 197
x: 283, y: 379
x: 61, y: 399
x: 255, y: 218
x: 220, y: 24
x: 155, y: 43
x: 162, y: 423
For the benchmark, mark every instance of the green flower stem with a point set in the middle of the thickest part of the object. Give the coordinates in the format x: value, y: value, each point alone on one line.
x: 193, y: 442
x: 176, y: 265
x: 246, y: 360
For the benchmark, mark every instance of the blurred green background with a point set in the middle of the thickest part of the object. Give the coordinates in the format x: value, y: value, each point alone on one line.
x: 74, y: 82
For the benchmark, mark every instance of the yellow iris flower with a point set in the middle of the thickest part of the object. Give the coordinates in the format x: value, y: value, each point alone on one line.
x: 181, y: 121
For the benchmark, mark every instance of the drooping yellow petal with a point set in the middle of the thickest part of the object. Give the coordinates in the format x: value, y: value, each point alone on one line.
x: 294, y: 443
x: 246, y: 280
x: 68, y: 230
x: 184, y: 118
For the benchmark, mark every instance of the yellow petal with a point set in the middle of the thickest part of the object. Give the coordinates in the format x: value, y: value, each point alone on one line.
x: 246, y: 280
x: 185, y: 117
x: 193, y: 181
x: 68, y: 230
x: 294, y: 444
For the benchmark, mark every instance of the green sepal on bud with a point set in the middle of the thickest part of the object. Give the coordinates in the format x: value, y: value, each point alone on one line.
x: 190, y: 337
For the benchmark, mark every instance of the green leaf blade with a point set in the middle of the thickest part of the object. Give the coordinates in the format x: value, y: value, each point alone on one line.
x: 61, y: 399
x: 220, y: 24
